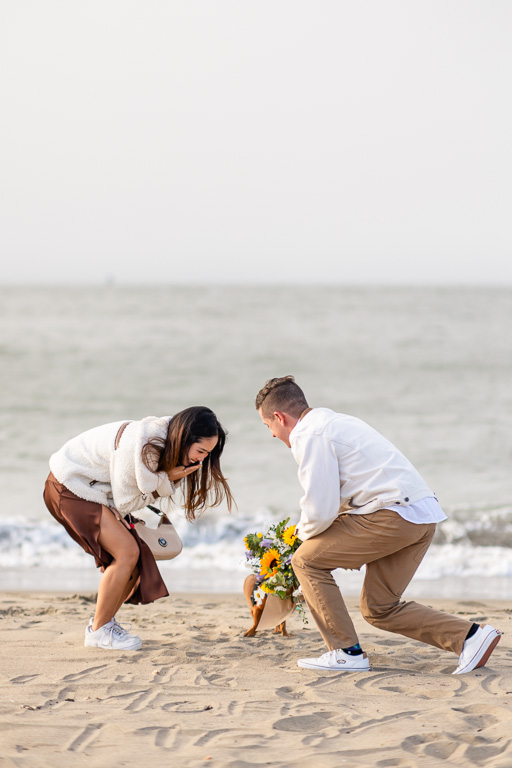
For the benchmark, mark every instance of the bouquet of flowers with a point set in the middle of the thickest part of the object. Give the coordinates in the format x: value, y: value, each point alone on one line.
x: 269, y: 555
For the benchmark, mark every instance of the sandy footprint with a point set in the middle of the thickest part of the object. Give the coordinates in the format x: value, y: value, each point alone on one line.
x: 302, y: 724
x: 479, y: 716
x: 483, y: 750
x: 291, y: 692
x: 437, y: 745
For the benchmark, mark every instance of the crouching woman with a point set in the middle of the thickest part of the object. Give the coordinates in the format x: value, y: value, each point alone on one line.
x: 101, y: 475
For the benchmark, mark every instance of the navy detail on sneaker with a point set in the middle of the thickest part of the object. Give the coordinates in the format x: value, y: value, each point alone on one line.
x: 354, y: 650
x: 474, y: 628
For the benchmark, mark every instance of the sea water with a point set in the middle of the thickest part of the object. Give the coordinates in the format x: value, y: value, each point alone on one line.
x: 431, y: 368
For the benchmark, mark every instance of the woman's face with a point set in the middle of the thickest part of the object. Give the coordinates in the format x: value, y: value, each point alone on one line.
x: 200, y: 450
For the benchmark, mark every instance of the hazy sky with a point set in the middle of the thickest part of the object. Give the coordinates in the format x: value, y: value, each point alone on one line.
x: 228, y: 140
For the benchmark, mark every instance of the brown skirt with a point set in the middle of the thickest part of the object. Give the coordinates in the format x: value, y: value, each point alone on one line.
x: 81, y: 519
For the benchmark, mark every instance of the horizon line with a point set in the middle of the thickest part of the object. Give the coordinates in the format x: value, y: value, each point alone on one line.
x: 113, y: 283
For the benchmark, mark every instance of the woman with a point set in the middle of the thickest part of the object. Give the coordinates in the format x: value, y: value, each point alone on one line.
x: 106, y: 472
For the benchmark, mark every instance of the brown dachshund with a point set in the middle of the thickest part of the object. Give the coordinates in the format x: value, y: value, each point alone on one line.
x: 257, y: 610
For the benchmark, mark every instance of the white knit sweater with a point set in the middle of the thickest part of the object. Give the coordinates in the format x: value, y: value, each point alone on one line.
x: 93, y: 470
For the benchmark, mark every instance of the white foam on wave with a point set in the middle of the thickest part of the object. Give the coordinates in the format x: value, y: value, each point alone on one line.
x: 41, y: 544
x: 217, y: 545
x: 444, y: 560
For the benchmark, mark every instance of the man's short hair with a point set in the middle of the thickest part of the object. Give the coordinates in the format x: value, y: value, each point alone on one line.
x: 281, y: 394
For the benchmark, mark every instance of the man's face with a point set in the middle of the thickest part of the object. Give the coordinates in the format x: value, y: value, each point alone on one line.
x: 278, y: 426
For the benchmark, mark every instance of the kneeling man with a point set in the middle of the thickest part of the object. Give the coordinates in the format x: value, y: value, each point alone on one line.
x: 364, y: 504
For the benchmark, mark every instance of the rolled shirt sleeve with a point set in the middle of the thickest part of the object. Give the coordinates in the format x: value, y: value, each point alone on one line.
x: 319, y: 477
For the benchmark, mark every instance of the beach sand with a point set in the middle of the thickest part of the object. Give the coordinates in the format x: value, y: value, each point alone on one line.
x: 199, y: 693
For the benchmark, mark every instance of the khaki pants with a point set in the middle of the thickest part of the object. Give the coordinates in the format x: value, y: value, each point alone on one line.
x: 392, y: 549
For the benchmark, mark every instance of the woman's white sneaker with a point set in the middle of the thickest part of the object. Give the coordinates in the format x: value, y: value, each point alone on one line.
x: 477, y: 649
x: 337, y: 661
x: 112, y: 636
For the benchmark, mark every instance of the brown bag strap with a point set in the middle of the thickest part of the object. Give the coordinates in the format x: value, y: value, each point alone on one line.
x: 119, y: 433
x: 163, y: 517
x: 164, y: 520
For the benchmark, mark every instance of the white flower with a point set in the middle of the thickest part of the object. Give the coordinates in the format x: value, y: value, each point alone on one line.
x: 259, y: 596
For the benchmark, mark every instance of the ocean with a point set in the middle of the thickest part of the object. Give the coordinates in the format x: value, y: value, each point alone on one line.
x: 429, y: 367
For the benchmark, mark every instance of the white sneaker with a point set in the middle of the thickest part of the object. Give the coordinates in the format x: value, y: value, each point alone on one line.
x: 477, y: 649
x: 122, y: 629
x: 113, y: 620
x: 112, y: 636
x: 337, y: 661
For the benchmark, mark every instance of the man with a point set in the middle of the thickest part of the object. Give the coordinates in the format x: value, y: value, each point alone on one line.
x: 364, y: 504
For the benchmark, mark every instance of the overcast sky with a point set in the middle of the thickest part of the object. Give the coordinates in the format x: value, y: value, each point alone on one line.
x: 228, y: 140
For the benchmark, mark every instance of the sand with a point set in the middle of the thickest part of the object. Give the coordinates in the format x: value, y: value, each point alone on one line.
x: 199, y: 693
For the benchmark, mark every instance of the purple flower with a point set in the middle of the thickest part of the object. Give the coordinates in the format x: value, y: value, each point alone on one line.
x: 266, y: 543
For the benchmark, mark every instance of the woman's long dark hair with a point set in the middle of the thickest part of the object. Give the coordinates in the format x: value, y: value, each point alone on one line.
x: 207, y: 486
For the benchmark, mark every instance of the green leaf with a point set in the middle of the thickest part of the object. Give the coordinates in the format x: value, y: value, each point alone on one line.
x: 253, y: 541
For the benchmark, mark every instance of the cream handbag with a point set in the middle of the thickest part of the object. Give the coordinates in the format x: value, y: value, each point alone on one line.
x: 163, y: 541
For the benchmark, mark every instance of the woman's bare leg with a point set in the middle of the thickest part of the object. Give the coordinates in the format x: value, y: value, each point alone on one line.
x: 130, y: 589
x: 116, y: 581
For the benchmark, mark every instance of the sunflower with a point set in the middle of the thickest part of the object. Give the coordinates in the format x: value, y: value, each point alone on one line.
x: 269, y: 563
x: 289, y: 536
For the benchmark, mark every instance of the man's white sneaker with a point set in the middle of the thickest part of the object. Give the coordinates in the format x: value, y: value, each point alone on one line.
x: 112, y: 636
x: 477, y: 649
x: 337, y: 661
